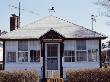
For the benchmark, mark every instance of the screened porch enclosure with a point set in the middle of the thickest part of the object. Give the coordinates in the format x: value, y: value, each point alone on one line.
x: 51, y: 58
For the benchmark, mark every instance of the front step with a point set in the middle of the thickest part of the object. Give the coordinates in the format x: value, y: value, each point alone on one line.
x: 55, y: 80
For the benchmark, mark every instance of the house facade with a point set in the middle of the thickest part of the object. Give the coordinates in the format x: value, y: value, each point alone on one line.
x: 51, y: 46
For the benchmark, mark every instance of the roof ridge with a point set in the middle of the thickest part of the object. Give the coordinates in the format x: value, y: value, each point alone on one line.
x: 67, y: 21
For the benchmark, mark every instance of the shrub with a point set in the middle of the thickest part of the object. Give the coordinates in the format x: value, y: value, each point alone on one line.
x: 89, y: 75
x: 18, y: 76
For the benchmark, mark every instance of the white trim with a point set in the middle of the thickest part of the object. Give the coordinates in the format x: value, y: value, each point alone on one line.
x: 87, y: 56
x: 16, y: 51
x: 28, y: 51
x: 75, y: 56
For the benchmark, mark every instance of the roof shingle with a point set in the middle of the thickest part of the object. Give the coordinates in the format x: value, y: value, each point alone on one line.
x: 65, y: 28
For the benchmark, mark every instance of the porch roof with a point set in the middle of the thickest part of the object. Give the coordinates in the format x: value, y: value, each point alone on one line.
x: 38, y: 28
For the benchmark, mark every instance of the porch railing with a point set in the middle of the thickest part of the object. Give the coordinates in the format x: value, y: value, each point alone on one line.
x: 53, y: 74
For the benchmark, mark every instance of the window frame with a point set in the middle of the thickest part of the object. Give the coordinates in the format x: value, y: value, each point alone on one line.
x: 23, y: 55
x: 25, y: 51
x: 91, y: 53
x: 82, y: 51
x: 69, y: 56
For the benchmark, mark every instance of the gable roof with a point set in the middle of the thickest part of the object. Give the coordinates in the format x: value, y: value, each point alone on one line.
x: 65, y: 28
x: 52, y: 34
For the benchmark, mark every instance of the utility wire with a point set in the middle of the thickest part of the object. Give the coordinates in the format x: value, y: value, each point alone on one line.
x: 29, y: 11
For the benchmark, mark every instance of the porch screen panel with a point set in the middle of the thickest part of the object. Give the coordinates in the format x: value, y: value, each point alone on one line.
x: 22, y: 45
x: 34, y: 56
x: 81, y: 44
x: 52, y: 50
x: 52, y: 56
x: 11, y: 57
x: 11, y: 49
x: 52, y: 64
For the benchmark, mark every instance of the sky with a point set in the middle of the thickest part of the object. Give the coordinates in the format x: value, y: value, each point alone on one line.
x: 76, y: 11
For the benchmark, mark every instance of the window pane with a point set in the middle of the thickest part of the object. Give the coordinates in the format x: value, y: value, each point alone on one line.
x: 67, y: 59
x: 69, y: 53
x: 73, y: 59
x: 65, y: 53
x: 81, y: 56
x: 81, y: 44
x: 52, y: 50
x: 23, y: 56
x: 72, y: 53
x: 52, y: 63
x: 22, y: 45
x: 11, y: 57
x: 92, y: 55
x: 34, y: 56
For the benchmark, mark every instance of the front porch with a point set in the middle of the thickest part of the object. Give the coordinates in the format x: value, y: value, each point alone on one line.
x: 52, y: 48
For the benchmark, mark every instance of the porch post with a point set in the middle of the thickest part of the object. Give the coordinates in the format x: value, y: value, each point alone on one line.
x: 43, y: 55
x: 3, y: 55
x: 61, y: 55
x: 100, y: 57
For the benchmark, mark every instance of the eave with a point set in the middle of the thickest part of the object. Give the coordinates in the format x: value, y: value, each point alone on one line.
x: 84, y: 38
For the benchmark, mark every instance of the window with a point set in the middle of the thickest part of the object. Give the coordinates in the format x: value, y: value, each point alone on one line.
x: 34, y: 56
x: 81, y: 44
x: 81, y: 50
x: 23, y: 56
x: 92, y: 55
x: 22, y: 51
x: 11, y: 57
x: 22, y: 45
x: 69, y: 56
x: 81, y: 56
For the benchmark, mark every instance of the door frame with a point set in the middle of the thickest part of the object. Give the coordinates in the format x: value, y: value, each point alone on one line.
x: 46, y: 57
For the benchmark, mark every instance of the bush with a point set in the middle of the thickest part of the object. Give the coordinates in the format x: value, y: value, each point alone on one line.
x: 18, y: 76
x: 93, y: 75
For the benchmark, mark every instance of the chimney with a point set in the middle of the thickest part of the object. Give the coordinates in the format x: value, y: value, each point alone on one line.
x: 14, y: 22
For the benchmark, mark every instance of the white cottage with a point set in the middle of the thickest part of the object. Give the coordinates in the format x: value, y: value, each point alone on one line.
x: 51, y: 45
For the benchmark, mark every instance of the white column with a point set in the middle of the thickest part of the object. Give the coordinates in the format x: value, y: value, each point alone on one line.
x: 28, y: 51
x: 87, y: 55
x: 75, y: 56
x: 16, y: 51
